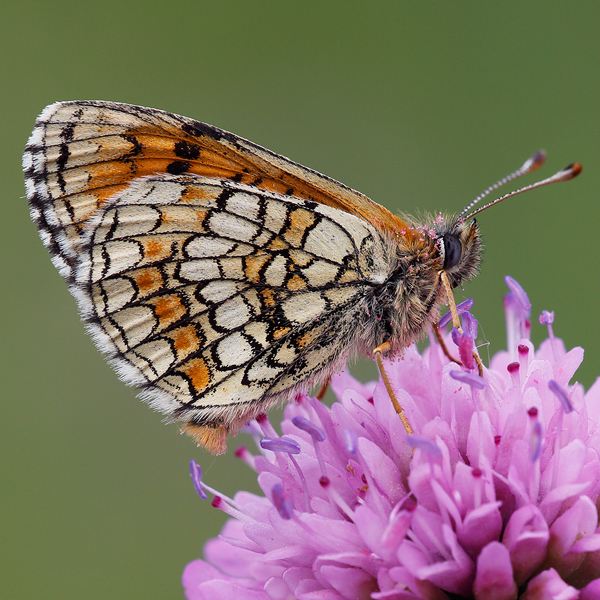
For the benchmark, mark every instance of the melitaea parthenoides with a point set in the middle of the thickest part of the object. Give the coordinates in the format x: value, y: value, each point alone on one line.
x: 220, y: 277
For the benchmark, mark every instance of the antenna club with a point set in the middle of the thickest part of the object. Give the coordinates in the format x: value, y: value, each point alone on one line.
x: 534, y: 162
x: 567, y: 173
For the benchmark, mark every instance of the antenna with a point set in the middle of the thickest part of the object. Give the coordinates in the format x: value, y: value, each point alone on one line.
x: 531, y: 164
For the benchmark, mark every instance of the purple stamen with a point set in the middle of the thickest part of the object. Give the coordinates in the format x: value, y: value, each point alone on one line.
x: 470, y: 379
x: 455, y: 336
x: 196, y: 475
x: 229, y: 508
x: 282, y: 502
x: 461, y: 308
x: 511, y: 304
x: 317, y: 434
x: 565, y: 403
x: 547, y: 318
x: 281, y: 444
x: 517, y: 309
x: 535, y: 446
x: 469, y: 325
x: 515, y: 287
x: 424, y: 444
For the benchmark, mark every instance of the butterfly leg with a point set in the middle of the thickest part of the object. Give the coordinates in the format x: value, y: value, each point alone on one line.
x: 386, y: 347
x: 440, y: 340
x: 479, y: 363
x: 455, y: 321
x: 323, y: 389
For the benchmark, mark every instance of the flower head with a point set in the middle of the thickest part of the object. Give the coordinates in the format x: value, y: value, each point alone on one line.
x: 494, y: 495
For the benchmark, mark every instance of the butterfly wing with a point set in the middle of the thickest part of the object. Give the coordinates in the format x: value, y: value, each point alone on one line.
x: 219, y: 299
x: 217, y: 275
x: 81, y: 153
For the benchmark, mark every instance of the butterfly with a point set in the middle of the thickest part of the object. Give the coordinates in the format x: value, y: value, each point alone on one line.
x: 222, y: 278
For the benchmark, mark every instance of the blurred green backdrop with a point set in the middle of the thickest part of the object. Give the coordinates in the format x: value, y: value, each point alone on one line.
x: 418, y: 105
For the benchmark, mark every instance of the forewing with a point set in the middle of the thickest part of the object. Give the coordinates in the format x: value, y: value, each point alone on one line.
x: 219, y: 298
x: 82, y: 153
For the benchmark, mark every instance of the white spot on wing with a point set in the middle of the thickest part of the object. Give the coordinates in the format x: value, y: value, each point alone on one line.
x: 122, y: 255
x: 200, y: 270
x: 219, y: 290
x: 137, y: 322
x: 230, y: 226
x: 158, y: 353
x: 134, y: 220
x: 202, y: 246
x: 328, y: 241
x: 234, y: 350
x: 301, y: 308
x: 245, y: 205
x: 275, y: 273
x: 232, y: 313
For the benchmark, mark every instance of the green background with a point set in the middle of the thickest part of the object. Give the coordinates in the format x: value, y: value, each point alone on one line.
x: 418, y: 105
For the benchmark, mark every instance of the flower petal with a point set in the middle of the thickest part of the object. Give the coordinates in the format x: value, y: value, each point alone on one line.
x: 201, y: 581
x: 591, y: 591
x: 549, y: 586
x: 383, y: 470
x: 494, y: 579
x: 526, y: 536
x: 480, y: 527
x: 577, y: 522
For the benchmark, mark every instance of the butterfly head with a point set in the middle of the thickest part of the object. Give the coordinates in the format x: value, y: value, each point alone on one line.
x: 459, y: 245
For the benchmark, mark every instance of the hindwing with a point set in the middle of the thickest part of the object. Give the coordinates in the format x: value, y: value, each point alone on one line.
x: 218, y: 298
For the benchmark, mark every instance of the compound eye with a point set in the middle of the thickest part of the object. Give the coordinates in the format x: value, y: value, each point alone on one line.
x: 452, y: 251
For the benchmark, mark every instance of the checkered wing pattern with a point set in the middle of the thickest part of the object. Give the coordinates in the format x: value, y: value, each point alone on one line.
x: 216, y: 275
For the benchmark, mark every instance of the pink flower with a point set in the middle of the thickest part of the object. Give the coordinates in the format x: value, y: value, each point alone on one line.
x: 494, y: 497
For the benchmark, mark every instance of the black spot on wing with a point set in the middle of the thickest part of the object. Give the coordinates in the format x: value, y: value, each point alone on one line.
x: 186, y: 151
x: 137, y: 147
x: 178, y: 167
x: 198, y: 129
x: 63, y: 157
